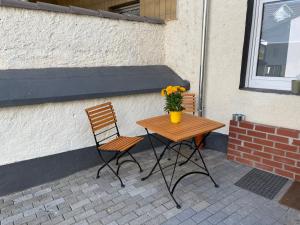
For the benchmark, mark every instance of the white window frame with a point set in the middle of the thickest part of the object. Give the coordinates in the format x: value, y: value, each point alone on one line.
x: 253, y: 81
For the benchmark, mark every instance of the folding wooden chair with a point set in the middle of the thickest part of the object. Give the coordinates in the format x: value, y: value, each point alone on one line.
x: 189, y: 104
x: 103, y: 119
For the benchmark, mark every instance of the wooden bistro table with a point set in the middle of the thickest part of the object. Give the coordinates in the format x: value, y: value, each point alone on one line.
x: 177, y: 134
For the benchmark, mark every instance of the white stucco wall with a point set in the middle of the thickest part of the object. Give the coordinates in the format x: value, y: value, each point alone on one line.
x: 223, y: 97
x: 225, y: 47
x: 36, y: 39
x: 31, y: 39
x: 183, y: 41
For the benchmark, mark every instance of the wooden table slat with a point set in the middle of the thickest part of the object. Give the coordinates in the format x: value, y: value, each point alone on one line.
x: 189, y: 127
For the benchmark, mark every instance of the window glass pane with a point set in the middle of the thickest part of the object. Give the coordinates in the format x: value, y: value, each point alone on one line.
x: 279, y: 49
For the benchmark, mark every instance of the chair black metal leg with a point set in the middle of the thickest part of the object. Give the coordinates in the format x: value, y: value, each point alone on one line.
x: 121, y: 163
x: 156, y: 164
x: 107, y: 164
x: 141, y: 170
x: 120, y: 156
x: 169, y: 154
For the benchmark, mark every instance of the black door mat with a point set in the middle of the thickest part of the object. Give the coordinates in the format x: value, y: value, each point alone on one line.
x: 292, y: 197
x: 262, y: 183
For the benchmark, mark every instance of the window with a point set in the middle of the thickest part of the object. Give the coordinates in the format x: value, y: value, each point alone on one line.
x: 128, y: 9
x: 274, y: 47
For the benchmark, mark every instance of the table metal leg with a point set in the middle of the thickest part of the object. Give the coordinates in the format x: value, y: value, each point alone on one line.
x: 206, y: 169
x: 156, y: 164
x: 175, y: 165
x: 162, y: 172
x: 170, y: 147
x: 189, y: 158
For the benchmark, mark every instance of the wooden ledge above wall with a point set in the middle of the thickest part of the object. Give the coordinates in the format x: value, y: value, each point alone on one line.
x: 163, y: 9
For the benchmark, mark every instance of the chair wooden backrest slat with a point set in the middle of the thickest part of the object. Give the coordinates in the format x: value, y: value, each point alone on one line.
x: 98, y: 107
x: 103, y: 110
x: 101, y: 116
x: 189, y: 102
x: 99, y: 127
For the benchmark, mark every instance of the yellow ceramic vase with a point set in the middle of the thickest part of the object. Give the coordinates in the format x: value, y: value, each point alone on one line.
x: 175, y: 117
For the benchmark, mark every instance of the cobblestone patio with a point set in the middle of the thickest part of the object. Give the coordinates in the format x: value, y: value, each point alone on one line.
x: 82, y: 199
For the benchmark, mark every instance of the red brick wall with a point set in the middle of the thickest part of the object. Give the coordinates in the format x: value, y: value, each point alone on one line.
x: 268, y: 148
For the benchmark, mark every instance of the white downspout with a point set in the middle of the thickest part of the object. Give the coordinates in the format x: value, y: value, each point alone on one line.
x: 201, y: 108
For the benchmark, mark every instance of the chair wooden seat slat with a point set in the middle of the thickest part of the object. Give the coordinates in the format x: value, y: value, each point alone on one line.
x: 103, y: 116
x: 120, y: 143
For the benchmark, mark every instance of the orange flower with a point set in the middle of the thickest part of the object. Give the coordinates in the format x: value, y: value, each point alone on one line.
x: 163, y: 92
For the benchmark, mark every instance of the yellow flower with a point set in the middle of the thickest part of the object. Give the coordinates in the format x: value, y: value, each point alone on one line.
x: 174, y: 89
x: 182, y: 89
x: 169, y: 90
x: 163, y: 92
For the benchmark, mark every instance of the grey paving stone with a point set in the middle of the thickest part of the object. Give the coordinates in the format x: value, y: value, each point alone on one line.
x: 144, y: 209
x: 73, y: 213
x: 112, y: 217
x: 249, y: 220
x: 97, y: 217
x: 33, y: 211
x: 172, y: 221
x: 11, y: 219
x: 54, y: 203
x: 233, y: 219
x: 172, y: 212
x: 188, y: 222
x: 215, y: 207
x: 200, y: 216
x: 67, y: 222
x: 200, y: 206
x: 218, y: 217
x: 206, y: 222
x: 85, y: 215
x: 127, y: 218
x: 82, y: 199
x: 141, y: 219
x: 186, y: 214
x: 25, y: 220
x: 83, y: 222
x: 80, y: 204
x: 157, y: 220
x: 42, y: 192
x: 53, y: 221
x: 116, y: 207
x: 231, y: 208
x: 113, y: 223
x: 40, y: 220
x: 23, y: 198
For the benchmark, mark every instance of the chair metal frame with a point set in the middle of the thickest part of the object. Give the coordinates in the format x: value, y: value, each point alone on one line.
x: 189, y: 143
x: 118, y: 154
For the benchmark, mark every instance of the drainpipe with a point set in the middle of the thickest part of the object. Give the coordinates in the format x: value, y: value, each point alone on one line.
x: 201, y: 108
